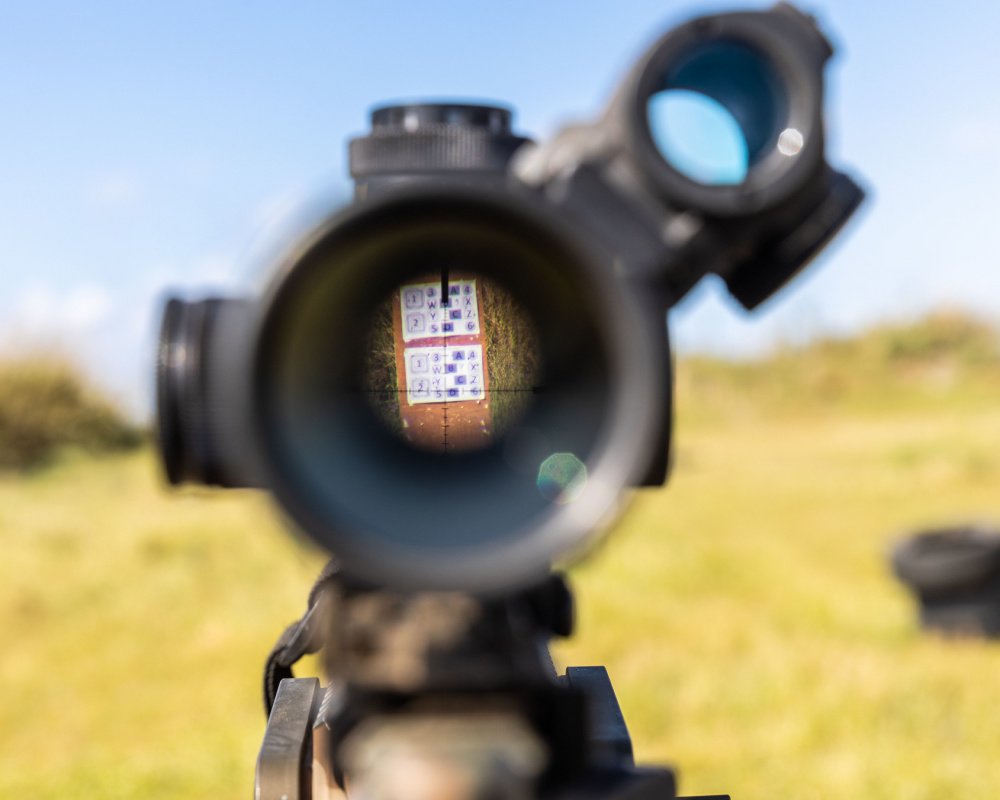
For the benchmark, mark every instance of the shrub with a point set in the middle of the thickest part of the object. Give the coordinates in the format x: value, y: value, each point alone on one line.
x: 943, y: 357
x: 47, y: 405
x: 944, y: 334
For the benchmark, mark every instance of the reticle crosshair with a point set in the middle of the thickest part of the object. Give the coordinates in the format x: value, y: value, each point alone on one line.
x: 465, y: 357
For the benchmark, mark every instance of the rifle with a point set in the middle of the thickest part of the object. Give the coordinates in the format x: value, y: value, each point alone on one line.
x: 452, y: 383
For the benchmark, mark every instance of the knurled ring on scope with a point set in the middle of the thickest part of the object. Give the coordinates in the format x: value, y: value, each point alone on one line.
x: 434, y: 137
x: 434, y: 147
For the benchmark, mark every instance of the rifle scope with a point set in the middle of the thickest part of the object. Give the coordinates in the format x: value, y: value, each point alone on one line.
x: 452, y: 382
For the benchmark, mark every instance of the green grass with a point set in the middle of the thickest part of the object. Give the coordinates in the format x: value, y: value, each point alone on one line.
x: 746, y: 614
x: 754, y: 633
x: 135, y: 625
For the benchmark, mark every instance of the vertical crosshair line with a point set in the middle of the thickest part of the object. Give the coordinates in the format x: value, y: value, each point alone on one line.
x: 445, y: 303
x: 444, y: 412
x: 444, y: 287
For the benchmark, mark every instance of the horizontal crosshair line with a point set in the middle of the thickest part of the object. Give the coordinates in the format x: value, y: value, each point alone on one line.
x: 535, y: 390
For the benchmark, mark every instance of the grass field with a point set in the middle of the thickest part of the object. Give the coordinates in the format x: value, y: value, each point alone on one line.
x: 745, y: 613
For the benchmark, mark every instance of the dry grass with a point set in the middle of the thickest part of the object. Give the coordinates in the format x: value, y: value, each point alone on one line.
x: 754, y: 631
x: 746, y: 614
x: 135, y: 624
x: 513, y: 355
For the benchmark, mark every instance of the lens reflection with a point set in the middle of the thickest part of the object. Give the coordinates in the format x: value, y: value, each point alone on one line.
x: 699, y: 137
x: 561, y: 477
x: 453, y: 362
x: 717, y: 111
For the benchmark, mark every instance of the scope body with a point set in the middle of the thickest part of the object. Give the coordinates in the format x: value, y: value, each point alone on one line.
x: 452, y: 382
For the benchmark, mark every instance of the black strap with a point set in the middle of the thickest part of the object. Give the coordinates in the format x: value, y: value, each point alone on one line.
x: 301, y: 638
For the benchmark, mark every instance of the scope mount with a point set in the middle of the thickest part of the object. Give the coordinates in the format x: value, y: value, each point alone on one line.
x: 448, y: 688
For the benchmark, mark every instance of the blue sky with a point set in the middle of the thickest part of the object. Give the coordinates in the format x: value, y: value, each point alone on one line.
x: 144, y: 145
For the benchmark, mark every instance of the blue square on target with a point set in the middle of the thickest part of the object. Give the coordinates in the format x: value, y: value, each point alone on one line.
x: 457, y: 355
x: 460, y: 380
x: 448, y: 327
x: 453, y: 393
x: 454, y: 289
x: 451, y: 368
x: 456, y: 313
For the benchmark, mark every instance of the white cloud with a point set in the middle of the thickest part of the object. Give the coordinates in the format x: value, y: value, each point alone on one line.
x: 40, y: 312
x: 86, y: 307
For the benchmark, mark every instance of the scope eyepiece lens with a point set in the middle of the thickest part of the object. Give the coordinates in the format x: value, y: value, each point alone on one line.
x: 724, y: 114
x: 718, y: 111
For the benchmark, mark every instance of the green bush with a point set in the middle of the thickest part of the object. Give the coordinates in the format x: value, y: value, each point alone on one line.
x: 944, y: 334
x: 944, y: 359
x: 46, y: 405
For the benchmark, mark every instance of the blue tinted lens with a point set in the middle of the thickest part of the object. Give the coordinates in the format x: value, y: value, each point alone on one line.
x: 699, y: 137
x: 717, y: 112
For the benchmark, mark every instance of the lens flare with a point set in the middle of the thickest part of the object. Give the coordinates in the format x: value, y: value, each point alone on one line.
x: 562, y: 477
